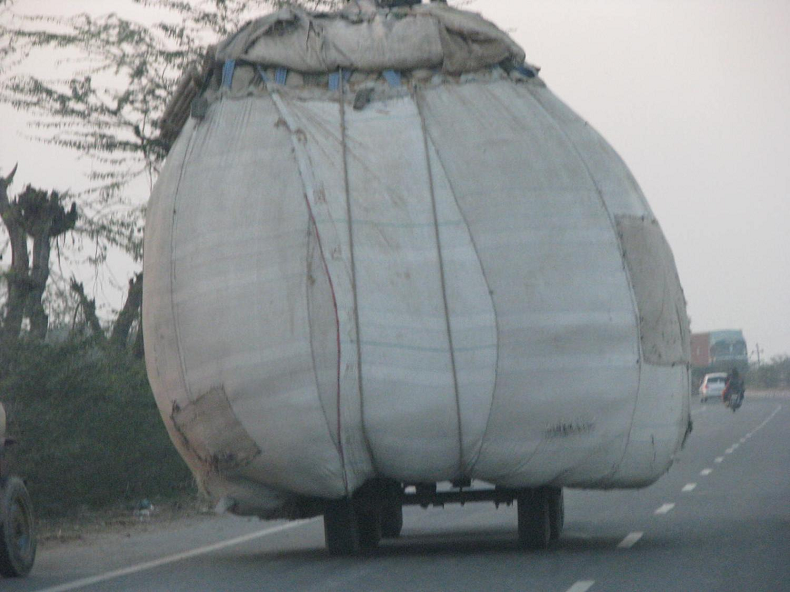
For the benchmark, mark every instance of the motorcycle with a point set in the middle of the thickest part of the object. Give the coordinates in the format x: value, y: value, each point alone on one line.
x: 732, y: 400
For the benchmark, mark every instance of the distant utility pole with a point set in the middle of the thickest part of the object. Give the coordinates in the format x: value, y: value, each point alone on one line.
x: 757, y: 351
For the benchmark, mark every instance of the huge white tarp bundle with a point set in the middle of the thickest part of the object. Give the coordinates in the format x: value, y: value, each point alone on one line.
x: 417, y: 271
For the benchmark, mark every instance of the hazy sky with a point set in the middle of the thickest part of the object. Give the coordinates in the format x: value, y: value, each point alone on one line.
x: 693, y: 94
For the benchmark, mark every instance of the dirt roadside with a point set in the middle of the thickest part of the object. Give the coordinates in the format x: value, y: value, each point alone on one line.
x: 89, y: 526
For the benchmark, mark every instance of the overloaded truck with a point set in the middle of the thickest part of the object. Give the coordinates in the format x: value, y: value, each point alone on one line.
x: 382, y: 255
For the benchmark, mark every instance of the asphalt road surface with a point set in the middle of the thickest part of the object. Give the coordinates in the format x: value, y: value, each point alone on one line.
x: 718, y: 521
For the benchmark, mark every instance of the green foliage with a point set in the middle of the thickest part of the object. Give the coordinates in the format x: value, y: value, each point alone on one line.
x: 774, y: 374
x: 89, y: 432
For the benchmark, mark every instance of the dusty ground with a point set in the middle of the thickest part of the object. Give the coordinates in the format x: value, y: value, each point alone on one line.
x: 89, y: 525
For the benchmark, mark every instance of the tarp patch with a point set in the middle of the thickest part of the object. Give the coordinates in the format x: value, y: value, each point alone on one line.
x: 663, y: 324
x: 211, y: 430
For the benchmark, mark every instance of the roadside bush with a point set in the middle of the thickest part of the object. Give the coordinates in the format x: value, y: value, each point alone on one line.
x: 89, y: 432
x: 774, y: 374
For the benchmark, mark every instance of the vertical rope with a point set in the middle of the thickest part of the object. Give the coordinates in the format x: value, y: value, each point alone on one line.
x: 349, y: 217
x: 443, y: 283
x: 305, y: 172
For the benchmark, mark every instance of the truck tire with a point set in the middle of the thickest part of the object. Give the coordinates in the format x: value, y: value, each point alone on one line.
x: 341, y: 528
x: 391, y: 521
x: 369, y: 522
x: 17, y: 529
x: 534, y: 523
x: 556, y: 512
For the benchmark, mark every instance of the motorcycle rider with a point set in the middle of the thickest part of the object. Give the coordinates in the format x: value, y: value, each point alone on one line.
x: 733, y: 386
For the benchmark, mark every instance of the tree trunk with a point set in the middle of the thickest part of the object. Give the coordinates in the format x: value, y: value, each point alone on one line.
x: 39, y: 215
x: 89, y: 310
x: 130, y: 311
x: 16, y: 276
x: 39, y: 274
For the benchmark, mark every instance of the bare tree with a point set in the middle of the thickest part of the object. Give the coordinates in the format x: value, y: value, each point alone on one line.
x: 37, y: 216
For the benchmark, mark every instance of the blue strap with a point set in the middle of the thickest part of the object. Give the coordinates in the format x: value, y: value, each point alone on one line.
x: 528, y: 72
x: 392, y: 77
x: 334, y: 78
x: 227, y: 73
x: 334, y: 81
x: 281, y: 75
x: 262, y: 73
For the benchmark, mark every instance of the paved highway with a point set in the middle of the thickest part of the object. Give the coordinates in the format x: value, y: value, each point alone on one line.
x: 718, y: 521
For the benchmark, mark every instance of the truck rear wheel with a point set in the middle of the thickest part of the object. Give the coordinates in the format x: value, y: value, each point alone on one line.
x: 534, y: 521
x: 351, y: 527
x: 556, y: 512
x: 341, y: 528
x: 17, y: 529
x: 391, y: 521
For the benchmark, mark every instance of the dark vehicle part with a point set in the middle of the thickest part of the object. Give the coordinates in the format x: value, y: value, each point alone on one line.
x: 556, y: 512
x: 391, y: 521
x: 17, y: 529
x: 534, y: 520
x: 734, y: 401
x: 17, y: 525
x: 356, y: 525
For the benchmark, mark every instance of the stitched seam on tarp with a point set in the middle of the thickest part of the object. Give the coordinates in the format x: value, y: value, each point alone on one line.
x: 304, y: 174
x: 631, y: 293
x: 355, y: 304
x: 443, y: 283
x: 173, y: 226
x: 476, y: 457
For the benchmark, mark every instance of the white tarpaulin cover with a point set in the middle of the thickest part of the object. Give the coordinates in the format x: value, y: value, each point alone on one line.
x: 459, y: 278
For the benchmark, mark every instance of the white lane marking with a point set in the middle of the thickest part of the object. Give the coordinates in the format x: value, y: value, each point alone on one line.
x: 718, y: 459
x: 111, y: 575
x: 688, y: 487
x: 664, y: 509
x: 769, y: 418
x: 630, y: 540
x: 581, y: 586
x: 743, y: 440
x: 705, y: 472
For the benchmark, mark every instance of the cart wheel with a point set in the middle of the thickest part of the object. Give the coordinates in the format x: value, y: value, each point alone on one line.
x: 17, y: 529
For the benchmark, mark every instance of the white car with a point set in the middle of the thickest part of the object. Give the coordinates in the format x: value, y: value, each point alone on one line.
x: 712, y: 386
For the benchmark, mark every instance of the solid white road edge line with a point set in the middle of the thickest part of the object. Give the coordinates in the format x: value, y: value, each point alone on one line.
x: 664, y: 509
x: 705, y: 472
x: 688, y: 487
x: 110, y: 575
x: 581, y: 586
x: 630, y: 540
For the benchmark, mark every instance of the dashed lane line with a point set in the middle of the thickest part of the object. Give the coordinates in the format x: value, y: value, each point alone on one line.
x: 688, y: 487
x: 664, y: 509
x: 705, y: 472
x: 133, y: 569
x: 581, y: 586
x: 718, y: 459
x: 630, y: 540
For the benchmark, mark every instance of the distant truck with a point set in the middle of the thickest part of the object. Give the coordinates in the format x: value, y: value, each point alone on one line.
x: 717, y: 351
